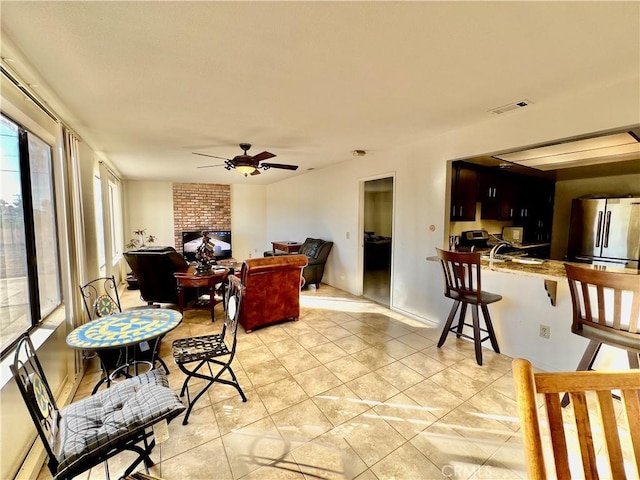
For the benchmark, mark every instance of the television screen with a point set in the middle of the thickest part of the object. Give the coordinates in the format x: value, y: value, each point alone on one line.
x: 221, y: 239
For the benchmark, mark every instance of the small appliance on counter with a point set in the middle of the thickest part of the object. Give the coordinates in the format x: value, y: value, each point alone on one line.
x: 478, y: 239
x: 513, y: 235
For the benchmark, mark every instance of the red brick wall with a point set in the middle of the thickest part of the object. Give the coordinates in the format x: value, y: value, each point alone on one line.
x: 200, y: 206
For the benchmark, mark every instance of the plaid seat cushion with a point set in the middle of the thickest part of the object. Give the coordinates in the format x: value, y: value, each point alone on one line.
x: 94, y: 425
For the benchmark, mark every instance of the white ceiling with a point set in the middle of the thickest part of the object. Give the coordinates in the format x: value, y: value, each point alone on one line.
x: 146, y: 83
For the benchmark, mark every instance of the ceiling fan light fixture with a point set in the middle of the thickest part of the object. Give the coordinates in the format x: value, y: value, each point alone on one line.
x: 245, y: 169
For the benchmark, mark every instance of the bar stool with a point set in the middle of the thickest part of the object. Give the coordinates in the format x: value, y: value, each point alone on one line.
x: 606, y: 310
x: 462, y: 285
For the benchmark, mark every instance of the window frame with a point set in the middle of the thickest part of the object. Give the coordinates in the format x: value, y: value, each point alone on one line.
x: 26, y: 192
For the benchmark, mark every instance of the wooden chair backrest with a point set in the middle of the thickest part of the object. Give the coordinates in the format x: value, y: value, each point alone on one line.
x: 461, y: 273
x: 605, y: 300
x: 616, y: 430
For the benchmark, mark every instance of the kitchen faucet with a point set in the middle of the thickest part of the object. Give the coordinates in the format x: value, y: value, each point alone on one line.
x: 494, y: 250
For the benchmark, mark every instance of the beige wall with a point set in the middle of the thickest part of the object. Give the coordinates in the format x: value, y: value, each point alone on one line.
x: 149, y: 206
x: 248, y: 221
x: 325, y: 203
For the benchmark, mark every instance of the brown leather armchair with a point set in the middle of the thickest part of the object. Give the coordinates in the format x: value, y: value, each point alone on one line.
x: 271, y: 290
x: 154, y: 268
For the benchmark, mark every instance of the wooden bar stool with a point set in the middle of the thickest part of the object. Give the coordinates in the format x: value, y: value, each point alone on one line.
x: 606, y: 310
x: 462, y: 285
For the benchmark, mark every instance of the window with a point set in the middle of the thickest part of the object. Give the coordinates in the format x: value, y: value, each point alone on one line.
x: 97, y: 205
x: 116, y: 220
x: 29, y: 267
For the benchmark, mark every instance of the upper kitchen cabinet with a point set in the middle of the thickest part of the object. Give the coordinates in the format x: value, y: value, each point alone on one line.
x: 496, y: 195
x: 464, y: 192
x: 533, y: 207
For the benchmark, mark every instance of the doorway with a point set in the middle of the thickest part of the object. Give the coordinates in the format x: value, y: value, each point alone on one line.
x: 378, y: 239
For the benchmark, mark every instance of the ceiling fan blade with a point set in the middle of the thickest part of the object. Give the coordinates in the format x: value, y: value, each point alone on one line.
x: 209, y: 166
x: 279, y: 165
x: 207, y: 155
x: 263, y: 156
x: 255, y: 172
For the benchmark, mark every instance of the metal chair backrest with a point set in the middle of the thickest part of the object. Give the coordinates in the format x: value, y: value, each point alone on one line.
x: 461, y: 274
x: 101, y: 297
x: 233, y: 299
x: 606, y: 301
x: 615, y: 427
x: 34, y: 388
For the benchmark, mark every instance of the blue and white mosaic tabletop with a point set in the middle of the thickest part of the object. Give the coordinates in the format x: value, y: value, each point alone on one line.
x: 123, y: 329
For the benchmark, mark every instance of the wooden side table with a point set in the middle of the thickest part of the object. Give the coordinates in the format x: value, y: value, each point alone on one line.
x: 193, y: 279
x: 286, y: 246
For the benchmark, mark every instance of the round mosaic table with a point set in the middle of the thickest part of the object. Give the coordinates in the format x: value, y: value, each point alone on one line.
x: 124, y: 329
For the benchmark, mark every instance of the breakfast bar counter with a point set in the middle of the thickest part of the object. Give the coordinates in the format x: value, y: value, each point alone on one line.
x: 535, y: 297
x: 548, y: 269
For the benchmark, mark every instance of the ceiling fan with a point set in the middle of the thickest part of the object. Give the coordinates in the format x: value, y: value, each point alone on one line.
x: 247, y: 164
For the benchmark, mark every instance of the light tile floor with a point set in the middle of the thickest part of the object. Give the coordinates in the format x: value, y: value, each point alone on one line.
x: 350, y: 391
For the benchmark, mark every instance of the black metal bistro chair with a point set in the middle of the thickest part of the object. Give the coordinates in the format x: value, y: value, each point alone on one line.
x: 193, y: 353
x: 90, y: 431
x: 463, y: 286
x: 100, y: 297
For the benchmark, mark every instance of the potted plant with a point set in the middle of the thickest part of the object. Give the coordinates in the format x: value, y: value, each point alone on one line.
x: 140, y: 239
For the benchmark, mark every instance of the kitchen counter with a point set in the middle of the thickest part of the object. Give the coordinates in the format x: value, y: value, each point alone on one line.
x: 549, y: 269
x: 533, y: 297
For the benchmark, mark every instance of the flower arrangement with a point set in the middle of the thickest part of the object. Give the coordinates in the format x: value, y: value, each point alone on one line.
x: 140, y: 240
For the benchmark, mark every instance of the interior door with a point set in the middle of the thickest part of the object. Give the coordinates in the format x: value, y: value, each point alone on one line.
x: 378, y: 239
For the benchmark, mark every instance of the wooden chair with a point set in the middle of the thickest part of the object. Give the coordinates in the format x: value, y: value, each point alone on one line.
x: 606, y: 310
x: 462, y: 284
x: 593, y: 428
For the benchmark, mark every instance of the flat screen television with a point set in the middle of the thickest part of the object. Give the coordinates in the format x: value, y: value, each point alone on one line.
x: 220, y: 238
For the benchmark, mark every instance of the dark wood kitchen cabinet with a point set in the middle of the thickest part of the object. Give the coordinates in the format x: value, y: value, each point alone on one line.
x: 537, y: 210
x: 496, y: 195
x: 533, y: 207
x: 464, y: 192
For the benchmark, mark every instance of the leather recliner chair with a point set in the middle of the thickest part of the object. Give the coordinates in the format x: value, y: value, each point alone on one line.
x: 271, y: 290
x: 154, y: 268
x: 317, y: 251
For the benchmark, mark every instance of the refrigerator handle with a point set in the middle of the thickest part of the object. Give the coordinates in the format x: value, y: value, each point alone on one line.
x: 607, y: 223
x: 599, y: 229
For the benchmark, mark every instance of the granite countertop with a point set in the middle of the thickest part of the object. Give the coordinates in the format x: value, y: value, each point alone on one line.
x: 550, y: 269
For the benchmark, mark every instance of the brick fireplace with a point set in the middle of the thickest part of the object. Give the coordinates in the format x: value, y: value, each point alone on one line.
x: 200, y: 206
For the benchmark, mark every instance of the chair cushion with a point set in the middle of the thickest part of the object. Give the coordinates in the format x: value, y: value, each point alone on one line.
x: 92, y: 426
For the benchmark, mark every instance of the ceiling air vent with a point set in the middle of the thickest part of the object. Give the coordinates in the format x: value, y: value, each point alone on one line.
x: 510, y: 107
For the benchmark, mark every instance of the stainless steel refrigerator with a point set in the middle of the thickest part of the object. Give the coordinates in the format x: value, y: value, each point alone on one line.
x: 605, y: 231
